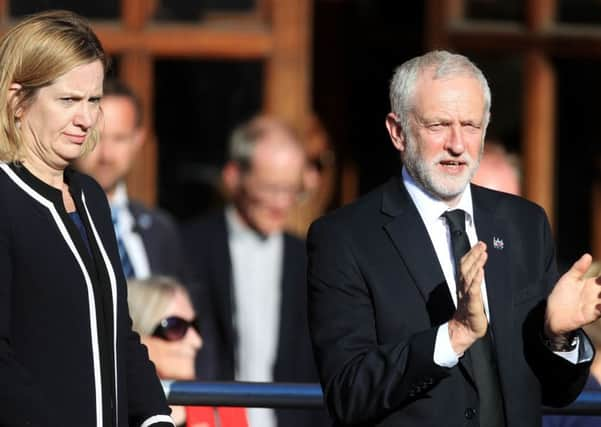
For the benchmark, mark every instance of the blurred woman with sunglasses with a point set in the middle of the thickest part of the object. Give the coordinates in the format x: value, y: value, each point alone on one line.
x: 162, y: 313
x: 68, y: 356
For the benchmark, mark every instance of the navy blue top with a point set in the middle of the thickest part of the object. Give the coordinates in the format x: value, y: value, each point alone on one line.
x: 82, y: 229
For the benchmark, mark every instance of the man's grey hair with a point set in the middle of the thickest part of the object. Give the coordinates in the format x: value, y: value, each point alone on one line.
x: 443, y: 64
x: 245, y: 137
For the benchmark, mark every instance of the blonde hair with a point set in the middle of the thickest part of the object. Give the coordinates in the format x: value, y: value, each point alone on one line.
x: 148, y: 299
x: 33, y: 54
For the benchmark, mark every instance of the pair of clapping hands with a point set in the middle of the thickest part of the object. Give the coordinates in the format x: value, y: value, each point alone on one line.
x: 574, y: 302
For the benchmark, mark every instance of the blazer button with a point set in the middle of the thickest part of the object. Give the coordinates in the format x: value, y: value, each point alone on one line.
x: 469, y: 413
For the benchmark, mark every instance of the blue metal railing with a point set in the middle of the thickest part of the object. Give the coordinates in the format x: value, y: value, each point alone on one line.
x: 303, y: 396
x: 249, y: 394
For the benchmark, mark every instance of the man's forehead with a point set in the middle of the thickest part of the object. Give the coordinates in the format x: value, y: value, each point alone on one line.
x: 447, y: 90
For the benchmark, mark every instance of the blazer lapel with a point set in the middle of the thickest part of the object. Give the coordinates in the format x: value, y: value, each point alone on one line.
x: 492, y: 230
x: 410, y: 237
x: 288, y: 315
x: 142, y: 222
x: 223, y: 275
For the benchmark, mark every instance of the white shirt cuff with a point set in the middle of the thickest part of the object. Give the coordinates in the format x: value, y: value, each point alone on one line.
x: 578, y: 355
x: 444, y: 355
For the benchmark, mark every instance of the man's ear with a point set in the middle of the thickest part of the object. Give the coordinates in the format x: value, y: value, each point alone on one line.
x: 13, y: 91
x: 139, y: 138
x: 397, y: 136
x: 231, y: 176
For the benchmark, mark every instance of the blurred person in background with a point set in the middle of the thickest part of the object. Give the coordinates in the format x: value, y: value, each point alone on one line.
x: 148, y: 239
x: 319, y: 180
x: 499, y: 170
x: 68, y: 356
x: 252, y: 273
x: 162, y: 313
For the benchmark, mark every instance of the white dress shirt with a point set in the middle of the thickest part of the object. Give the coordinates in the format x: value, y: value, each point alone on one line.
x: 126, y: 230
x: 431, y: 210
x: 257, y: 275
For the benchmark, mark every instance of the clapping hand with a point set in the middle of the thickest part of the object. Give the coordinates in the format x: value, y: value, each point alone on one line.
x: 469, y: 321
x: 574, y: 302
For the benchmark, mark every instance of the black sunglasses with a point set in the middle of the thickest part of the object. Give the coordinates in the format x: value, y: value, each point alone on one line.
x: 174, y: 328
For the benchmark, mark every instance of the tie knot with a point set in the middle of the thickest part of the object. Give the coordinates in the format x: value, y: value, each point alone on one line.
x: 456, y: 220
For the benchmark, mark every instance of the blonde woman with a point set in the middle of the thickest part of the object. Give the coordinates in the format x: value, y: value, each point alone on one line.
x: 162, y: 314
x: 68, y: 357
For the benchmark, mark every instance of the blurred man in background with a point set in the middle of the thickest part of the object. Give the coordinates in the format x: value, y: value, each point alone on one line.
x: 499, y: 170
x: 148, y: 239
x: 253, y: 272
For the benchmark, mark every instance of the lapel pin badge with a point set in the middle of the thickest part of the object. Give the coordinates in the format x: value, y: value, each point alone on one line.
x: 498, y: 243
x: 144, y: 221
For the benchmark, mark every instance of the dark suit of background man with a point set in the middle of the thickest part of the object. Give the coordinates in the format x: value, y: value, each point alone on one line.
x: 148, y: 239
x: 254, y: 274
x: 398, y: 340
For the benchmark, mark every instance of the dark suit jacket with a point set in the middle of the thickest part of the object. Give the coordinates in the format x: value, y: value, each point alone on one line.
x: 377, y: 296
x: 206, y: 244
x: 161, y: 240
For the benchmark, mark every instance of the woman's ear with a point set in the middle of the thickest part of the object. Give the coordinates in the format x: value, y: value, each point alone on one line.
x: 13, y: 96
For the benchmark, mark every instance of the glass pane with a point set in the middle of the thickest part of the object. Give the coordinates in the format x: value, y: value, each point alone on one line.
x: 578, y: 150
x: 503, y: 10
x: 197, y: 104
x: 504, y: 77
x: 194, y: 10
x: 113, y: 70
x: 105, y: 9
x: 580, y: 11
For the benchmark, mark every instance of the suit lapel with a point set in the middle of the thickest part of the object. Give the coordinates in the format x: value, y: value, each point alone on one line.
x: 225, y: 282
x: 492, y: 230
x: 287, y: 312
x: 142, y: 227
x: 410, y: 237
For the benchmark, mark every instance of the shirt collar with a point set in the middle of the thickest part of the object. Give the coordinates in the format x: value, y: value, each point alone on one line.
x: 119, y: 199
x: 430, y: 208
x: 238, y: 229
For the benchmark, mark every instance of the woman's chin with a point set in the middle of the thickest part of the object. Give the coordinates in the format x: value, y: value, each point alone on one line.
x: 181, y: 374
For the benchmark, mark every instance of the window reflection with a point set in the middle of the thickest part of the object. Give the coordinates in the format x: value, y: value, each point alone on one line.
x: 105, y: 9
x: 579, y: 11
x: 499, y: 10
x: 197, y: 104
x: 195, y: 10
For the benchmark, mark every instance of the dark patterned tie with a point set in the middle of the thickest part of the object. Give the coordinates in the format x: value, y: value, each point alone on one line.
x: 481, y: 354
x: 126, y: 265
